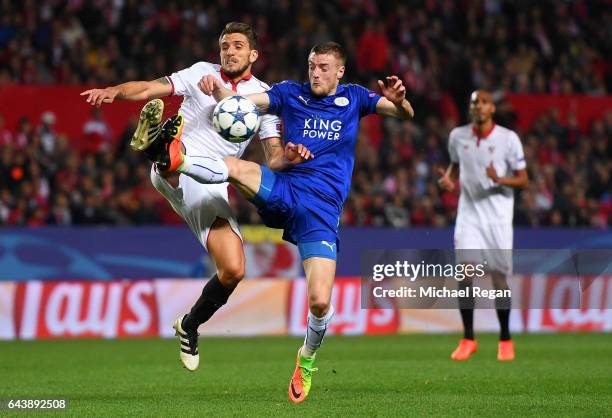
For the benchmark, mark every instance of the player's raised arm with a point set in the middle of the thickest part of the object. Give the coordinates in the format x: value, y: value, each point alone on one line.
x: 394, y: 103
x: 211, y: 86
x: 132, y: 90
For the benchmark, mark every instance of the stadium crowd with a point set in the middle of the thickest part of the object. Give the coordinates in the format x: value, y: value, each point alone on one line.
x: 43, y: 180
x: 438, y: 47
x: 443, y: 50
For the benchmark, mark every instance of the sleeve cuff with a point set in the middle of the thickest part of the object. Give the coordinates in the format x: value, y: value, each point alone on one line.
x: 171, y: 83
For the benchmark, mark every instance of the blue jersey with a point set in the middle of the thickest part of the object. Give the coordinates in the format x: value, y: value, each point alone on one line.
x: 328, y: 127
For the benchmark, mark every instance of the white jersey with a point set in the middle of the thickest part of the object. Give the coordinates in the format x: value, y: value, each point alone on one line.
x: 483, y: 202
x: 199, y: 136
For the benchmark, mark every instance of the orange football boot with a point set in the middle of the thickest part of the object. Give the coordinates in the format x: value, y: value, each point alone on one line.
x: 505, y: 350
x: 465, y: 349
x: 300, y: 383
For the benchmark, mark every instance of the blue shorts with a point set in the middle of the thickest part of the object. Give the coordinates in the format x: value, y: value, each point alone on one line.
x: 306, y: 219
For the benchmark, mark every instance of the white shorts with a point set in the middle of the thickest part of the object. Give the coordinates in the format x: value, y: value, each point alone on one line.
x: 198, y: 204
x: 494, y: 242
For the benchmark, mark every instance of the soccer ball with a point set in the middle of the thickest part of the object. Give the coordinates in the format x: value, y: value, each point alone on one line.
x: 236, y: 119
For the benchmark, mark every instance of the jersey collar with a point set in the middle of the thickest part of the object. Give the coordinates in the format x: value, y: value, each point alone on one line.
x: 225, y: 78
x: 485, y: 135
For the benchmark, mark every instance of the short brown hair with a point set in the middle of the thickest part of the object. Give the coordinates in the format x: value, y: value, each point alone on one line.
x: 330, y: 48
x: 243, y: 28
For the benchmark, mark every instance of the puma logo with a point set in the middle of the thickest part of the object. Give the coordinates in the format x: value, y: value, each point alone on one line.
x: 304, y: 100
x: 331, y: 246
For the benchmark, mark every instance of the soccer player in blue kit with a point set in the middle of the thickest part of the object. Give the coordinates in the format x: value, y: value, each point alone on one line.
x: 306, y: 199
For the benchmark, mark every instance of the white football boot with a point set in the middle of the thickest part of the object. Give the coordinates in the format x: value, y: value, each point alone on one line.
x: 149, y: 125
x: 189, y: 345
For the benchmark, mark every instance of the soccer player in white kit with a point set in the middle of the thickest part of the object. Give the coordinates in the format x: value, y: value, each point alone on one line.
x: 488, y: 159
x: 204, y: 207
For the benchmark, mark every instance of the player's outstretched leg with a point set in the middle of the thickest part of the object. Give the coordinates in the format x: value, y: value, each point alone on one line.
x: 206, y: 169
x: 163, y: 146
x: 320, y: 274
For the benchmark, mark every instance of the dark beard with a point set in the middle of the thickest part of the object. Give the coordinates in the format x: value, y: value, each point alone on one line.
x: 237, y: 73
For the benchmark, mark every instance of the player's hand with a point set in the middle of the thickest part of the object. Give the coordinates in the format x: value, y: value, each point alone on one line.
x: 394, y: 90
x: 445, y: 182
x: 492, y: 174
x: 296, y: 154
x: 96, y: 97
x: 208, y: 84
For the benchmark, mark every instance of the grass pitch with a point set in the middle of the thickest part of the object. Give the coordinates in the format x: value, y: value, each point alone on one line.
x: 410, y: 375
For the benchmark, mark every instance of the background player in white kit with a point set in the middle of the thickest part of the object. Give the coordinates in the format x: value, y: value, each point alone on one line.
x: 488, y: 159
x: 204, y: 207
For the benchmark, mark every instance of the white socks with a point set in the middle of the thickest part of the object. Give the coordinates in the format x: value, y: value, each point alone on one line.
x: 315, y: 331
x: 206, y: 170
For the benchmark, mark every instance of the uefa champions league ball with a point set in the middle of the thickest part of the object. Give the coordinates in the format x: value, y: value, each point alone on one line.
x: 236, y: 119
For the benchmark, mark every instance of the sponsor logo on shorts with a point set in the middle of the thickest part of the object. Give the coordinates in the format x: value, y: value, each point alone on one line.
x: 332, y: 247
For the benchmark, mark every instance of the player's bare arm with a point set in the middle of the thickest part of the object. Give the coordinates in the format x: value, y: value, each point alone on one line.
x: 211, y: 86
x: 273, y: 151
x: 132, y: 90
x: 519, y: 180
x: 394, y: 103
x: 448, y: 177
x: 279, y: 158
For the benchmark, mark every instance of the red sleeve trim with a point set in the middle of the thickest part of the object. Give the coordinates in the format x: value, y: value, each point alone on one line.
x: 171, y: 83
